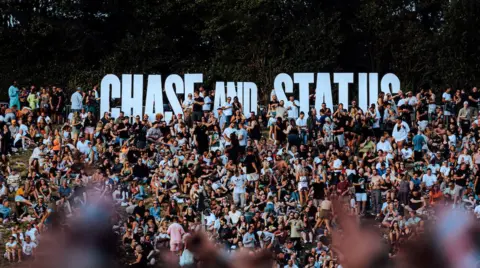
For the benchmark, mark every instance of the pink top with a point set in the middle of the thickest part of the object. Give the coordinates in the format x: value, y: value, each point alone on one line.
x: 176, y: 232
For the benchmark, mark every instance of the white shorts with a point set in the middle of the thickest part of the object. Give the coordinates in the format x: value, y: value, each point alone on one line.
x: 361, y: 197
x: 252, y: 177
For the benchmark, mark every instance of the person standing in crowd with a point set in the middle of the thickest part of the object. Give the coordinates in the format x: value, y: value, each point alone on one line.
x: 198, y: 103
x: 464, y: 118
x: 473, y: 101
x: 176, y: 232
x: 13, y: 94
x: 228, y: 110
x: 77, y: 101
x: 292, y: 107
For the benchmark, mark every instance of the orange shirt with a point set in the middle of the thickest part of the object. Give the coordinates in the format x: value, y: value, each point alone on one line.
x: 56, y: 145
x: 435, y: 197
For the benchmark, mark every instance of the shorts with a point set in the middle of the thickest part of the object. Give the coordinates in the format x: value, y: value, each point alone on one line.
x: 361, y: 197
x: 175, y: 246
x: 252, y: 177
x: 89, y: 130
x: 19, y: 198
x: 458, y: 191
x: 324, y: 214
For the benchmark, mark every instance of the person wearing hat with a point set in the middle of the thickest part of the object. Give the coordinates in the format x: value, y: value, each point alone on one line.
x: 77, y: 100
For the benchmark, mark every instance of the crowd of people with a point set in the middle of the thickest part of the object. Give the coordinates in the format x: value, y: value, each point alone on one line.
x: 253, y: 182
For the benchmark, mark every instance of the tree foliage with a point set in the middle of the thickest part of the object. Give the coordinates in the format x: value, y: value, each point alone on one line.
x: 77, y: 42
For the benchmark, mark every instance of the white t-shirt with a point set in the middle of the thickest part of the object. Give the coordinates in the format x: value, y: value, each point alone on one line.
x: 18, y: 137
x: 445, y: 170
x: 227, y: 132
x: 243, y: 140
x: 384, y: 146
x: 234, y: 217
x: 188, y: 103
x: 477, y: 210
x: 301, y: 122
x: 412, y: 101
x: 17, y: 236
x: 429, y: 180
x: 238, y: 184
x: 407, y: 153
x: 337, y: 163
x: 11, y: 244
x: 228, y: 109
x: 446, y: 96
x: 467, y: 159
x: 28, y: 248
x: 83, y: 146
x: 400, y: 134
x: 207, y: 102
x: 293, y: 111
x: 32, y: 233
x: 24, y: 128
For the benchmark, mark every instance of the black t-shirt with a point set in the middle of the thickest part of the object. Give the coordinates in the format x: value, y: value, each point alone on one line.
x: 140, y: 210
x: 475, y: 96
x: 40, y: 208
x: 249, y: 162
x: 124, y: 133
x: 201, y: 133
x: 461, y: 182
x: 338, y: 128
x: 117, y: 168
x: 141, y: 133
x: 359, y: 179
x: 147, y: 246
x: 54, y: 99
x: 133, y: 155
x: 423, y: 110
x: 198, y: 107
x: 318, y: 190
x: 59, y: 99
x: 165, y: 130
x: 151, y: 152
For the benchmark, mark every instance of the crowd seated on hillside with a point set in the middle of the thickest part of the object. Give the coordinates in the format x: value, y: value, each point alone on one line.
x: 256, y: 181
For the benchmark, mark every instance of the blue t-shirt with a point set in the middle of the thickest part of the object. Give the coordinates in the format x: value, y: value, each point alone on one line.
x: 418, y: 142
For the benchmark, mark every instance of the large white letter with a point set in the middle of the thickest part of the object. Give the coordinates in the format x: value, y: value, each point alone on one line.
x: 154, y: 98
x: 390, y: 79
x: 304, y: 80
x: 132, y: 102
x: 343, y: 79
x: 323, y: 92
x: 190, y: 81
x: 219, y: 96
x: 231, y: 90
x: 250, y: 99
x: 280, y: 80
x: 373, y: 88
x: 174, y: 79
x: 110, y: 80
x: 362, y: 91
